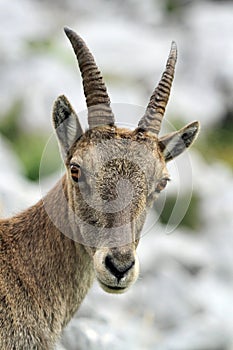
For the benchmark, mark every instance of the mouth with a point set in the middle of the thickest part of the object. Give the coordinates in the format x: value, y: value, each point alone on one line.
x: 112, y: 289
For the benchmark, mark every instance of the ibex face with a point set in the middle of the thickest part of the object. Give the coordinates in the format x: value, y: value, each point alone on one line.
x: 113, y: 174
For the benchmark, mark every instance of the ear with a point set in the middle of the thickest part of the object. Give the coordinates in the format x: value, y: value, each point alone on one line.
x: 66, y: 124
x: 175, y: 143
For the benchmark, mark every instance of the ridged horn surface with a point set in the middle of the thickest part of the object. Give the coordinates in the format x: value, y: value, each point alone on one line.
x: 152, y: 119
x: 97, y: 99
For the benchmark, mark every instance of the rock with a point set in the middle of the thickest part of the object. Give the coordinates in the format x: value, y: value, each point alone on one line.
x: 198, y: 333
x: 92, y: 335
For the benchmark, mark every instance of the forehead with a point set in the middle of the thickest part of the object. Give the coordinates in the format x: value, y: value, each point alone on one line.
x: 99, y: 147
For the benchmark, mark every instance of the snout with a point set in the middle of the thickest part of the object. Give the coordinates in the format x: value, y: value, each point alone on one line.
x: 116, y: 268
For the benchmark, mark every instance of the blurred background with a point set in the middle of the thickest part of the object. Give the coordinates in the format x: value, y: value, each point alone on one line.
x: 184, y: 297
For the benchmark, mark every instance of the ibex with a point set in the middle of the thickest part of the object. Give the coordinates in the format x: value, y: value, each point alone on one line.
x: 89, y: 224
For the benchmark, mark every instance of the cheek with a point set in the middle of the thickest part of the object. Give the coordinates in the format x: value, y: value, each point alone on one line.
x: 139, y: 225
x: 90, y: 250
x: 80, y: 197
x: 151, y: 199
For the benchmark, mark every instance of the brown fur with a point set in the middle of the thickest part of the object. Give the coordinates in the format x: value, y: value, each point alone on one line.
x: 44, y: 277
x: 50, y: 253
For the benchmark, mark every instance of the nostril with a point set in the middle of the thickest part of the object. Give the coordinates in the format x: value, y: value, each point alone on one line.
x: 115, y: 270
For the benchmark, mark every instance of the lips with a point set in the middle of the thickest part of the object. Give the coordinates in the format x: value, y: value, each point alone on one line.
x: 112, y: 289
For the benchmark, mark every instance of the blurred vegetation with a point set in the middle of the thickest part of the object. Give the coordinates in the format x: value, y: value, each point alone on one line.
x: 40, y: 45
x: 171, y: 5
x: 191, y: 218
x: 45, y: 46
x: 175, y: 7
x: 214, y: 143
x: 28, y: 144
x: 217, y: 142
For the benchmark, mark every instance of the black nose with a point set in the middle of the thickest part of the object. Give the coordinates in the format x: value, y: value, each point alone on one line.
x: 118, y: 272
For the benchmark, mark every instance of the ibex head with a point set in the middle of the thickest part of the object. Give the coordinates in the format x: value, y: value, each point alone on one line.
x: 114, y: 174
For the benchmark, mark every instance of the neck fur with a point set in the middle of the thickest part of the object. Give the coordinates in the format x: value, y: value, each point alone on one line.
x: 56, y: 271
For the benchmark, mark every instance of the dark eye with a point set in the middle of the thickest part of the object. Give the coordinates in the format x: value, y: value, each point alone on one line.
x: 76, y: 172
x: 161, y: 185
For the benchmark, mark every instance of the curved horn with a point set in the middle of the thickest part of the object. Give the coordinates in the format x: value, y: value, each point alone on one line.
x: 151, y: 121
x: 97, y: 99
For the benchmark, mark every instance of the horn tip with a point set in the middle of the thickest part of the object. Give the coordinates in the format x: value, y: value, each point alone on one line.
x: 68, y: 31
x: 174, y: 44
x: 173, y: 51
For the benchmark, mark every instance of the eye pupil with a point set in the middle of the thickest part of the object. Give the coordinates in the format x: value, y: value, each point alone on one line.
x: 75, y: 172
x: 161, y: 185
